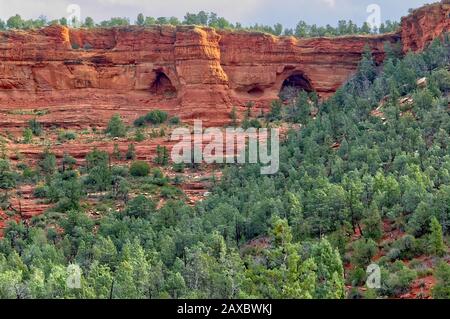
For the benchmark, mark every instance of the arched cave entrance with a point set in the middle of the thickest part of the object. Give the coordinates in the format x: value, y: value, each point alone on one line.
x: 163, y: 86
x: 256, y: 91
x: 293, y: 85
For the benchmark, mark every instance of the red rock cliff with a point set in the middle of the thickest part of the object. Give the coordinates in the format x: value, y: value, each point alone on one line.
x: 79, y: 78
x: 425, y: 24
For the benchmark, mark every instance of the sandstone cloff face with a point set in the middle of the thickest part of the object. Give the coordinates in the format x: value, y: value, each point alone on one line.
x: 81, y: 77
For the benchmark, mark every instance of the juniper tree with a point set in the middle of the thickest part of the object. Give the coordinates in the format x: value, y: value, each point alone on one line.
x: 437, y: 244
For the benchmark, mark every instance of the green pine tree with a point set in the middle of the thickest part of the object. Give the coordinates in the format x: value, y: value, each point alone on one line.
x: 437, y: 244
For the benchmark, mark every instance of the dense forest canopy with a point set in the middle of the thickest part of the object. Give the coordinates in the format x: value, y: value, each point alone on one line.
x: 202, y: 18
x: 343, y: 176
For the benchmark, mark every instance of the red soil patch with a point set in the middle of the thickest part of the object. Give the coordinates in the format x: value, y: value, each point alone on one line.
x: 26, y: 205
x: 258, y: 243
x: 420, y: 288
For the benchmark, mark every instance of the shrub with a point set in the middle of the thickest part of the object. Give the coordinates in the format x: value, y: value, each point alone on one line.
x: 140, y: 121
x: 66, y: 136
x: 68, y: 161
x: 441, y: 78
x: 363, y: 251
x: 99, y: 178
x: 168, y: 192
x: 275, y: 112
x: 162, y: 132
x: 116, y: 128
x: 154, y: 133
x: 370, y: 294
x: 121, y: 188
x: 354, y: 293
x: 407, y: 247
x: 157, y: 173
x: 47, y: 164
x: 234, y: 116
x: 399, y: 282
x: 357, y: 277
x: 96, y: 158
x: 162, y: 155
x: 156, y: 117
x: 40, y: 191
x: 253, y: 123
x: 131, y: 152
x: 384, y: 260
x: 442, y: 288
x: 373, y: 225
x: 416, y: 264
x: 140, y: 207
x: 175, y: 120
x: 437, y: 245
x: 148, y: 188
x: 116, y: 152
x: 178, y: 180
x: 35, y: 127
x: 139, y: 169
x: 178, y: 167
x: 139, y: 136
x: 394, y: 254
x: 27, y: 135
x: 158, y: 177
x: 119, y: 171
x: 22, y: 166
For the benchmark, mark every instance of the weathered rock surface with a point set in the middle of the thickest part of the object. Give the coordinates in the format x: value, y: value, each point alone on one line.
x: 424, y: 25
x: 81, y: 77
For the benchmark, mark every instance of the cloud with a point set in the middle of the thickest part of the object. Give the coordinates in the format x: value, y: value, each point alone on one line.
x: 231, y: 9
x: 330, y: 3
x: 32, y: 9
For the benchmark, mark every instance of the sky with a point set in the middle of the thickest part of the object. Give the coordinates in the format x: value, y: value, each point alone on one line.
x: 286, y: 12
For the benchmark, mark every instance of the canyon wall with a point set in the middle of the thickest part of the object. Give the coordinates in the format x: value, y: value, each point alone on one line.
x: 76, y: 78
x: 424, y: 25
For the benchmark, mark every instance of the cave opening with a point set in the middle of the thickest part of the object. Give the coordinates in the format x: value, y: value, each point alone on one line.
x: 162, y: 85
x: 256, y: 91
x: 293, y: 85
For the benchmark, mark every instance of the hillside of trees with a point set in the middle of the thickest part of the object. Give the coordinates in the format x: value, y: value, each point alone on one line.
x: 307, y: 232
x: 202, y: 18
